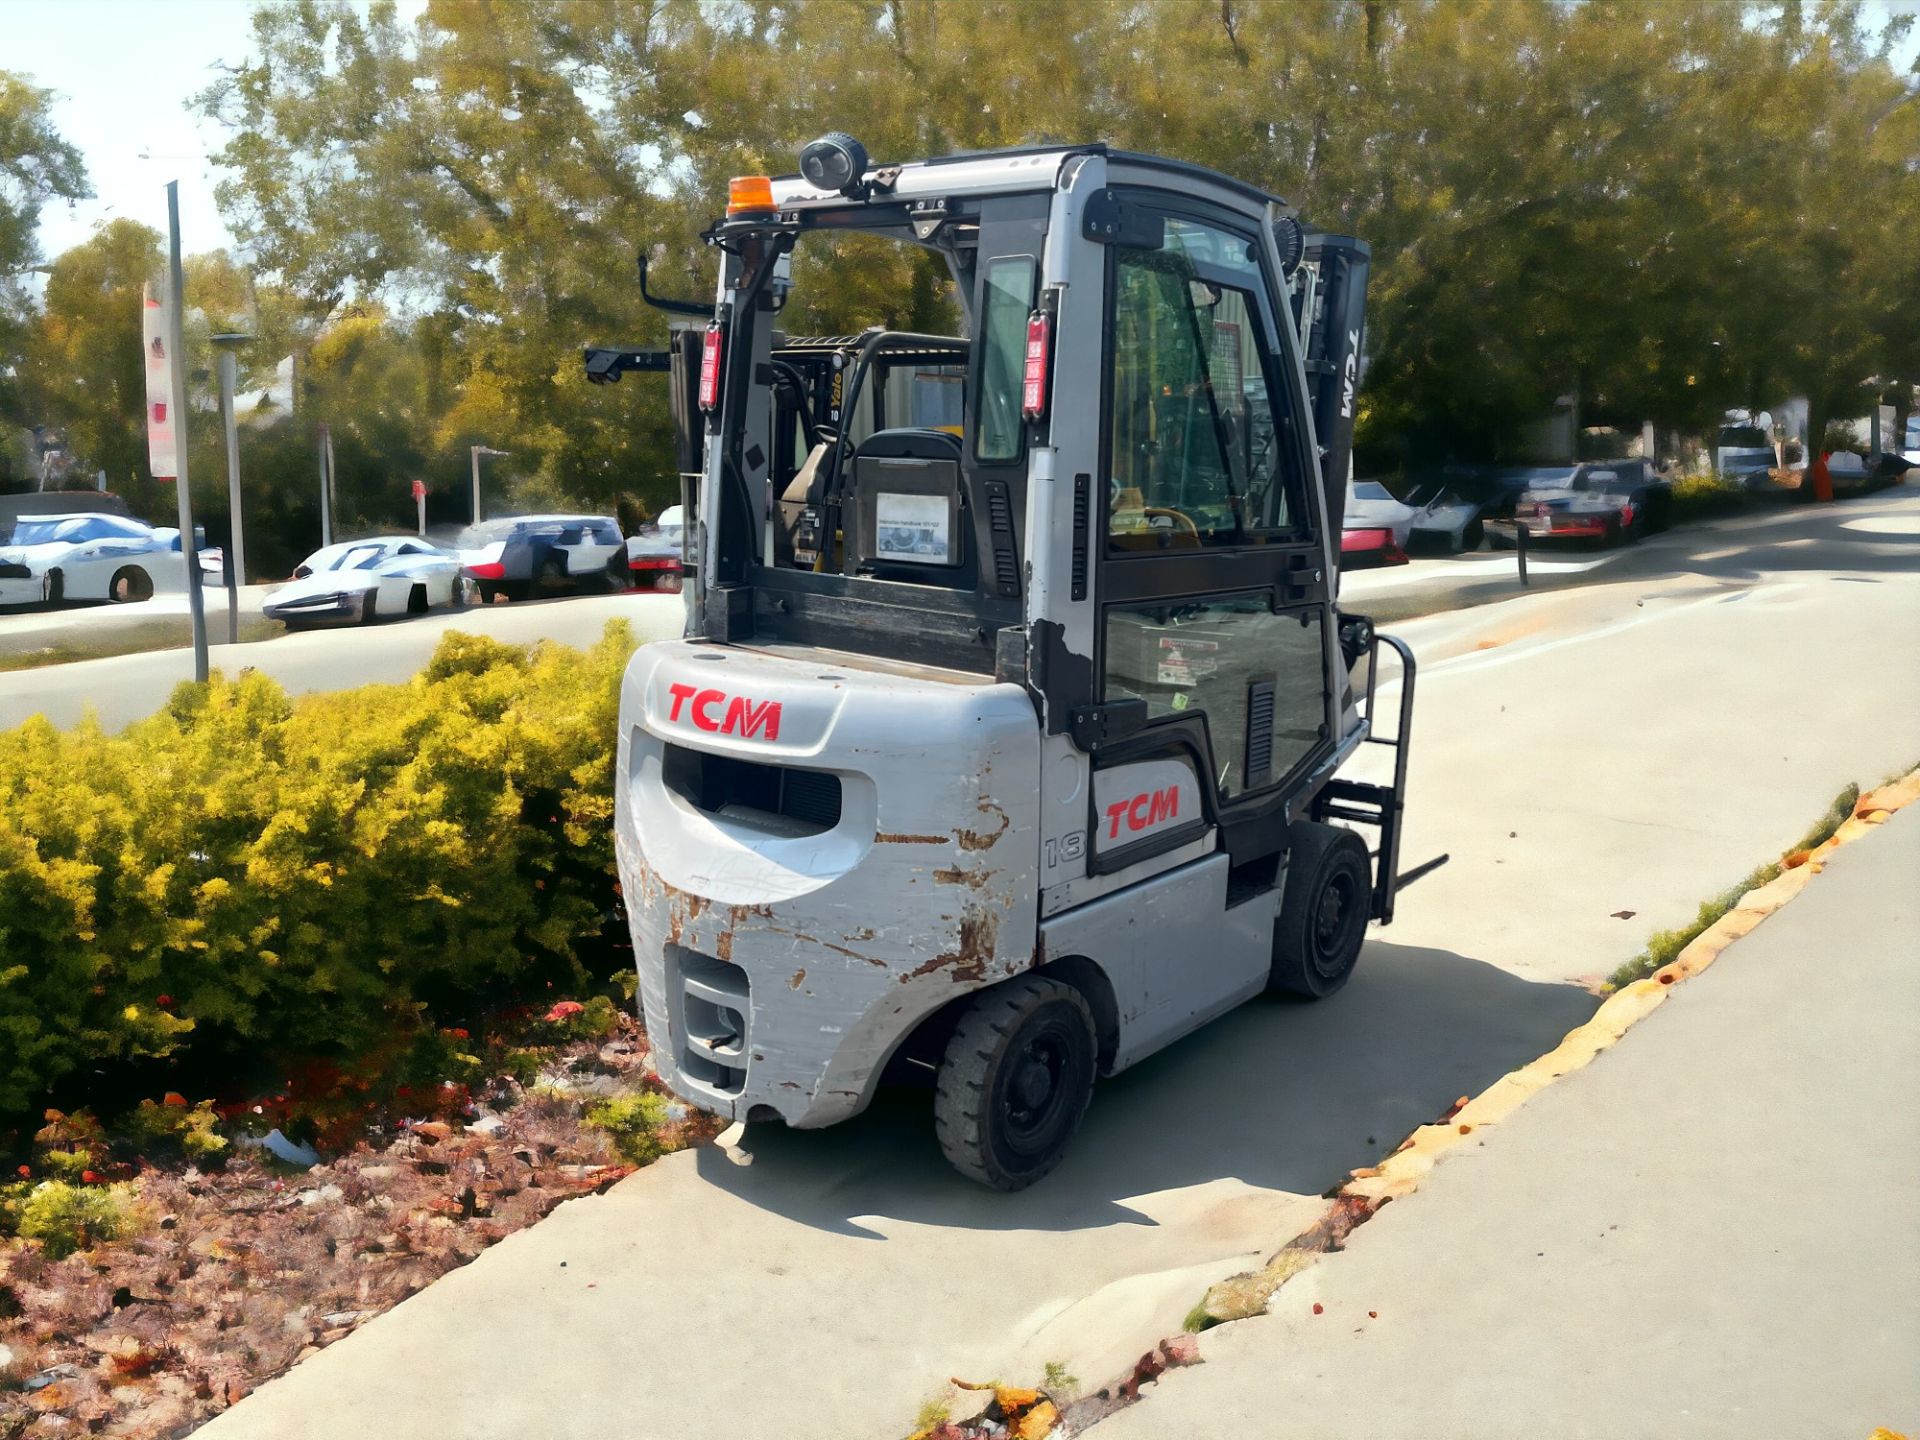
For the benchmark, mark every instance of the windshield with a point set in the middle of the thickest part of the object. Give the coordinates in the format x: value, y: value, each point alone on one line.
x: 68, y: 530
x: 1371, y: 490
x: 1744, y: 437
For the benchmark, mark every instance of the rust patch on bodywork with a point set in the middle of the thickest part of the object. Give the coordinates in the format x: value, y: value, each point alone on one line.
x: 955, y: 875
x: 968, y: 963
x: 886, y: 837
x: 981, y: 839
x: 723, y: 946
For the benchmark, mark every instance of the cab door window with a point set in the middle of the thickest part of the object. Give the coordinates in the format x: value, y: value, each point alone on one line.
x: 1198, y: 454
x: 1254, y: 673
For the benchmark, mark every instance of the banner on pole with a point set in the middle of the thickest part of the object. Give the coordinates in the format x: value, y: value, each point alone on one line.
x: 156, y: 335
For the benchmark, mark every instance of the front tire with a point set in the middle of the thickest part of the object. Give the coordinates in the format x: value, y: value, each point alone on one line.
x: 369, y: 608
x: 1323, y: 916
x: 129, y: 585
x: 56, y: 589
x: 1015, y: 1082
x: 1473, y: 536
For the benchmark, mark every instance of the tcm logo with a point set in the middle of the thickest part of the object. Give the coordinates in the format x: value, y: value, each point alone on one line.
x: 1351, y: 375
x: 1143, y: 811
x: 719, y: 713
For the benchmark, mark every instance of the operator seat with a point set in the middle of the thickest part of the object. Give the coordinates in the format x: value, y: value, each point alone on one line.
x: 909, y: 497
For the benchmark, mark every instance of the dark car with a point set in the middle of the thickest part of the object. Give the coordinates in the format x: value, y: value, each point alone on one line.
x: 1454, y: 507
x: 1611, y: 501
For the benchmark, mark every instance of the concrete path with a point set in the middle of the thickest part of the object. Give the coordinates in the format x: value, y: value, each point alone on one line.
x: 1631, y: 746
x: 1710, y: 1231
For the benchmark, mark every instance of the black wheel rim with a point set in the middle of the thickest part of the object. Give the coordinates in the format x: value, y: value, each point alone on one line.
x: 1338, y: 913
x: 1039, y: 1090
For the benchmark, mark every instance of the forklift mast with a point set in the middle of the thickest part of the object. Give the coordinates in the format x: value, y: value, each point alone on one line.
x: 1330, y: 305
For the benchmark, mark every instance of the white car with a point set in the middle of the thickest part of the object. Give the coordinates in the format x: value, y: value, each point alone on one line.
x: 518, y: 555
x: 88, y: 556
x: 1371, y: 506
x: 654, y: 555
x: 361, y: 580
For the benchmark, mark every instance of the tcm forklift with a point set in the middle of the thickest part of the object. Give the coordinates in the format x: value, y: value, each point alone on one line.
x: 1004, y: 740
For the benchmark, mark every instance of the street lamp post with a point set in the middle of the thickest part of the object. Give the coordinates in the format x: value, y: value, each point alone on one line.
x: 477, y: 451
x: 227, y: 344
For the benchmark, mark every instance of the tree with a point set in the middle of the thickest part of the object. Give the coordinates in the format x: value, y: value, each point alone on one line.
x: 1623, y: 199
x: 36, y: 166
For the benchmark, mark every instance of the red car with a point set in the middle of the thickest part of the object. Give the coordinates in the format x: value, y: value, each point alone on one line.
x: 1369, y: 545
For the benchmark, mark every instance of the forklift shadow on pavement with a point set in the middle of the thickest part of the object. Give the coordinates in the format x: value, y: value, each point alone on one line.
x: 1280, y: 1096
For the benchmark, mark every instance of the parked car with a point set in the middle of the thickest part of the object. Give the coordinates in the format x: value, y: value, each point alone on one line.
x: 1371, y: 506
x: 654, y: 555
x: 1740, y: 450
x: 1451, y: 511
x: 361, y: 580
x: 1366, y: 545
x: 520, y: 555
x: 1610, y: 501
x: 88, y: 556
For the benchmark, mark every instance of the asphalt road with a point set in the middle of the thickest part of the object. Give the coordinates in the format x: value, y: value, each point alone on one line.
x: 123, y: 688
x: 1622, y: 747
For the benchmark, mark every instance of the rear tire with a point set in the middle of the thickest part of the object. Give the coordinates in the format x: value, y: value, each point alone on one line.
x: 417, y: 600
x: 1015, y: 1081
x: 1323, y: 916
x: 1473, y: 536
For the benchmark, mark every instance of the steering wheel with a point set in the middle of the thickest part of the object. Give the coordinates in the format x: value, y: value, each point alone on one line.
x: 1182, y: 522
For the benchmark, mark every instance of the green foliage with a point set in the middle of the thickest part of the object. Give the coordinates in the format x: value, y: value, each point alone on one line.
x: 65, y: 1218
x: 36, y: 166
x: 633, y: 1123
x: 188, y: 1130
x: 1059, y: 1380
x: 248, y: 874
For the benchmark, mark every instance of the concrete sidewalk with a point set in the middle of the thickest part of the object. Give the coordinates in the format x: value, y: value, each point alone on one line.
x: 1713, y: 1230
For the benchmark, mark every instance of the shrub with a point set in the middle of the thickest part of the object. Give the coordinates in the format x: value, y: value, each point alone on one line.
x: 632, y: 1122
x: 250, y: 875
x: 65, y: 1218
x: 176, y: 1129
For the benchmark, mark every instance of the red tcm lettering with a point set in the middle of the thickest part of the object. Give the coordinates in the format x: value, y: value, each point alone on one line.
x: 717, y: 712
x: 1144, y: 811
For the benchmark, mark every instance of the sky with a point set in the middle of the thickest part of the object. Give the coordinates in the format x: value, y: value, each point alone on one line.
x: 124, y: 71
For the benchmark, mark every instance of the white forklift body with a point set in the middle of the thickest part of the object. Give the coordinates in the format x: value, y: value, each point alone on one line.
x: 1002, y: 750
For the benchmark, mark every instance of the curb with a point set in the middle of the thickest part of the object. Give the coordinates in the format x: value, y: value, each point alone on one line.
x: 1402, y: 1172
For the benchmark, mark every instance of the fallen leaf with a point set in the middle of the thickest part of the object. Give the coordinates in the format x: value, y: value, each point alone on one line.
x: 1625, y: 914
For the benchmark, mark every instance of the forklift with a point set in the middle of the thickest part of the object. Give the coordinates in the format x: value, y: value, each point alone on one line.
x: 1003, y: 744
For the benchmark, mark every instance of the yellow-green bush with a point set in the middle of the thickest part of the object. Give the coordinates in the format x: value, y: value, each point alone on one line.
x: 299, y: 876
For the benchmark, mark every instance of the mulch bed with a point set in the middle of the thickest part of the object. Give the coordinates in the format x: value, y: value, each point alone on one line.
x: 233, y: 1275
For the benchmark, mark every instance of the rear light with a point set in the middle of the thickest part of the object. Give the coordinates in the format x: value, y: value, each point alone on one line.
x: 710, y: 352
x: 1626, y: 513
x: 1033, y: 384
x: 488, y: 570
x: 749, y: 195
x: 653, y: 562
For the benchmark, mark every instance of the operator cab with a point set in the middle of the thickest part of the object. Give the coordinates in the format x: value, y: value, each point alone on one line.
x: 1010, y: 623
